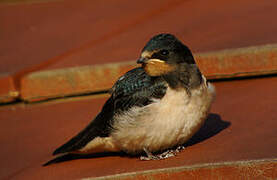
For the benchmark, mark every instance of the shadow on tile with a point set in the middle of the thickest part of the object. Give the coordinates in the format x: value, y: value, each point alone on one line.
x: 212, y: 126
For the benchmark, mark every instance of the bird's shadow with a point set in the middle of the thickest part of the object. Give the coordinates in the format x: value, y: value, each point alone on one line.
x: 212, y: 126
x: 69, y: 157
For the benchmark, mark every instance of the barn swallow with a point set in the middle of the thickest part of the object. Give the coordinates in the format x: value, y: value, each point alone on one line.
x: 152, y: 108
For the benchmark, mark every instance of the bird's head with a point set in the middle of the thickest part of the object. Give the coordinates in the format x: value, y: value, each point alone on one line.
x: 162, y: 55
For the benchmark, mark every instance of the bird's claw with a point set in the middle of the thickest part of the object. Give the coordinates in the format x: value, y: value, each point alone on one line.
x: 164, y: 155
x: 179, y: 148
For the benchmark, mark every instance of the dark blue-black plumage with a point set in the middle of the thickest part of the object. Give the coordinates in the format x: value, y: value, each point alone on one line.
x: 135, y: 88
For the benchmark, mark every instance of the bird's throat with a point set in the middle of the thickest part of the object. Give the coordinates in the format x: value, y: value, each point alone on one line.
x: 156, y: 67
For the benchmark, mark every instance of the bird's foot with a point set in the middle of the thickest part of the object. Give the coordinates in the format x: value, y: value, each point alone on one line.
x: 179, y: 148
x: 150, y: 156
x: 164, y: 155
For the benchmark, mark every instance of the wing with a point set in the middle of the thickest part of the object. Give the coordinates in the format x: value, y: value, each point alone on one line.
x: 135, y: 88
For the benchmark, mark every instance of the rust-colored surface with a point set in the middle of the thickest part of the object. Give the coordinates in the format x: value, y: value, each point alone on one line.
x: 242, y: 126
x: 38, y: 35
x: 57, y: 34
x: 71, y: 81
x: 8, y: 92
x: 239, y: 62
x: 70, y: 33
x: 250, y: 61
x: 261, y: 169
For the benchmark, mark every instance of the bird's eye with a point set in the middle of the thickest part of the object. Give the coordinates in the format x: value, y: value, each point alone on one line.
x: 164, y: 52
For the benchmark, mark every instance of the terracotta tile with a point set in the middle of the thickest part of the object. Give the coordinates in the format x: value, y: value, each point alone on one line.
x: 263, y: 169
x: 57, y: 34
x: 71, y: 81
x: 8, y: 92
x: 230, y: 63
x: 241, y: 127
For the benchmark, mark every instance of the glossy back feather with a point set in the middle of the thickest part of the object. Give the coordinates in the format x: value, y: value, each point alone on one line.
x: 136, y: 88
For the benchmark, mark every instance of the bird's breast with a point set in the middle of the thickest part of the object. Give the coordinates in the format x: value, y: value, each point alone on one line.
x: 165, y: 123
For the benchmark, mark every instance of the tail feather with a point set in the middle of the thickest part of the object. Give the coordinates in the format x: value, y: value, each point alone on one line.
x: 80, y: 140
x: 99, y: 127
x: 73, y: 144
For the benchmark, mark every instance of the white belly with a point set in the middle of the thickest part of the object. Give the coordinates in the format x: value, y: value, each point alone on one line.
x: 164, y: 123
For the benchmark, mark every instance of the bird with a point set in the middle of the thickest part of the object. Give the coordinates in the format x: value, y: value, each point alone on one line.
x: 156, y: 106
